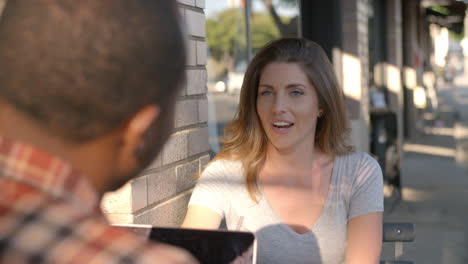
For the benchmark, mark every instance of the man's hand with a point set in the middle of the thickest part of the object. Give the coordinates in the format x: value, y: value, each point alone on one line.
x: 163, y: 253
x: 245, y: 258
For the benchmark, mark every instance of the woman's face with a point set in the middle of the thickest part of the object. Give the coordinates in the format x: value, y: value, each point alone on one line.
x: 287, y: 106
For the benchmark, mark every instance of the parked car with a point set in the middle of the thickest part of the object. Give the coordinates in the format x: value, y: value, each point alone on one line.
x: 216, y: 85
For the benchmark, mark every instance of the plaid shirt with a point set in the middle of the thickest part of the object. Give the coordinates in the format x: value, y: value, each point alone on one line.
x: 49, y: 213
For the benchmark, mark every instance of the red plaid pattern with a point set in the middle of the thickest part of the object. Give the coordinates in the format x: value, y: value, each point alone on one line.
x: 49, y: 213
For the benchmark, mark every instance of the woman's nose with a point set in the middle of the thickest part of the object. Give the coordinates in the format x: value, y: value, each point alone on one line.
x: 279, y: 104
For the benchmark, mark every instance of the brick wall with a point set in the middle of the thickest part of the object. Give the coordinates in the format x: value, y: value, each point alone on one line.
x: 159, y: 196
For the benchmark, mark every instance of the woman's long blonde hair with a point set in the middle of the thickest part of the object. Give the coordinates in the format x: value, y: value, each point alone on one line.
x: 244, y: 137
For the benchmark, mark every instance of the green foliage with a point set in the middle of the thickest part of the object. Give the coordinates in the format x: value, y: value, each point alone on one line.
x: 440, y: 9
x: 225, y: 33
x: 264, y: 30
x: 226, y: 36
x: 456, y: 36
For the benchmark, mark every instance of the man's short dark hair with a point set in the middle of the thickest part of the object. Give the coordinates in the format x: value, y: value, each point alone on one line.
x: 83, y: 67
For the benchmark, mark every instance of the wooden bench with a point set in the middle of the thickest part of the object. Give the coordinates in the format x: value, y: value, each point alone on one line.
x: 398, y: 233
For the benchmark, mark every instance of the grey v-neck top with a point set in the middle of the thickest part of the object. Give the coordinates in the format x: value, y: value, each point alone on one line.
x: 356, y: 189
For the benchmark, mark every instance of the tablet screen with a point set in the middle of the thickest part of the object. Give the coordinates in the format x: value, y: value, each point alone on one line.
x: 208, y: 246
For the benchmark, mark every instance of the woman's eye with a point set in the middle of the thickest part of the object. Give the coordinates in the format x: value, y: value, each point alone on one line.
x: 263, y: 93
x: 297, y: 92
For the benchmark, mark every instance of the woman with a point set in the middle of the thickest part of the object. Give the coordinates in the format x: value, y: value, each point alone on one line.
x: 286, y: 170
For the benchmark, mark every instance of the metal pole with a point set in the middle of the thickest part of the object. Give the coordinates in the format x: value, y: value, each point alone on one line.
x: 248, y: 33
x: 299, y: 19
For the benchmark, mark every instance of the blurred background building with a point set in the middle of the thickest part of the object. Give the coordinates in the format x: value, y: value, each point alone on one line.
x: 389, y: 56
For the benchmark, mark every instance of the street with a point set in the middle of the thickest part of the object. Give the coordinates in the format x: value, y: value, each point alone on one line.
x: 435, y: 185
x: 434, y: 177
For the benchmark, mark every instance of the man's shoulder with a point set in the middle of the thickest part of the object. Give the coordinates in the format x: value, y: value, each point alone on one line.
x: 37, y: 228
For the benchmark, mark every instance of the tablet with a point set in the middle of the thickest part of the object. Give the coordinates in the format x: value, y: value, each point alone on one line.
x: 208, y: 246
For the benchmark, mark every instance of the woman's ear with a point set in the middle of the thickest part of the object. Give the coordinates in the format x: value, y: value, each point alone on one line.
x: 320, y: 113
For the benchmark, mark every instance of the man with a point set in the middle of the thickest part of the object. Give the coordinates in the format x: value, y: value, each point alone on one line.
x: 87, y: 90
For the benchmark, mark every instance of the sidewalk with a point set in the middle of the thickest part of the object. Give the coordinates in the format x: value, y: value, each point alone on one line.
x: 435, y: 188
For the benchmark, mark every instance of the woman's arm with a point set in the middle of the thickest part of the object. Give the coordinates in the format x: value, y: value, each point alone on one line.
x: 364, y: 239
x: 201, y: 217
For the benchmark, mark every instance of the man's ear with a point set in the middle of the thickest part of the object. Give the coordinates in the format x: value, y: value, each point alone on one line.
x: 136, y: 128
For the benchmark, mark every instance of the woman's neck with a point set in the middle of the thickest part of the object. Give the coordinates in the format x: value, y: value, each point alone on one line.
x: 298, y: 164
x: 299, y: 157
x: 310, y: 170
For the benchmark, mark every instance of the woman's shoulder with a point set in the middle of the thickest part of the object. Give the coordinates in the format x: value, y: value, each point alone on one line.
x: 225, y: 167
x: 358, y: 166
x: 367, y: 161
x: 359, y: 158
x: 224, y: 164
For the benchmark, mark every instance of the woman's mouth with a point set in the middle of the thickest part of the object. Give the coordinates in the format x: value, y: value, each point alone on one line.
x: 282, y: 125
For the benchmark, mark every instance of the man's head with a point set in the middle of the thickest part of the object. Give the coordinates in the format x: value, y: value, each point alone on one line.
x: 85, y: 68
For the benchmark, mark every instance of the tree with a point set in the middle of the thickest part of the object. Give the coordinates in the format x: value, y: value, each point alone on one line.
x: 263, y: 30
x: 287, y: 28
x: 226, y: 36
x: 227, y: 39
